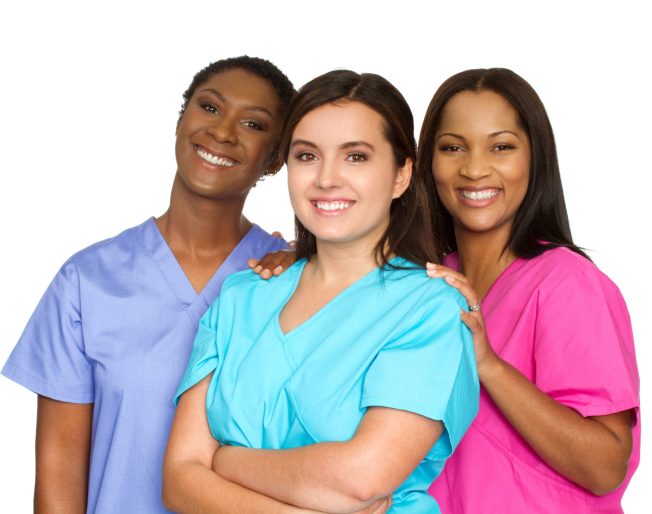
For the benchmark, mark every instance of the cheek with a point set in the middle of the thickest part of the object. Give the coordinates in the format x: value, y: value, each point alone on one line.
x: 298, y: 182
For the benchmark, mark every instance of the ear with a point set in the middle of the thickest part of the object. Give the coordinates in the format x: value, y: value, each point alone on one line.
x: 403, y: 177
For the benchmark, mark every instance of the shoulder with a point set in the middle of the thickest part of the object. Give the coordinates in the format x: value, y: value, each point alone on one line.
x: 246, y: 284
x: 262, y: 242
x: 560, y: 268
x: 108, y: 253
x: 411, y: 284
x: 129, y: 240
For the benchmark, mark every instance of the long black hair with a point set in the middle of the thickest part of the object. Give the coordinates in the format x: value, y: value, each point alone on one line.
x: 541, y: 221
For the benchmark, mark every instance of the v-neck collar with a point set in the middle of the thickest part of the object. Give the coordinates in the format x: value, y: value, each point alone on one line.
x: 176, y: 278
x: 298, y: 269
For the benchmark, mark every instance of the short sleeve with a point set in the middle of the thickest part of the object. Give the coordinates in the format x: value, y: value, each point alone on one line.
x: 49, y: 359
x: 204, y: 357
x: 429, y: 370
x: 584, y: 348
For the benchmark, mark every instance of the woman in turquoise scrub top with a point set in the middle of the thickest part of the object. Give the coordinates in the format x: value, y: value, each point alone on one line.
x: 350, y: 378
x: 107, y: 345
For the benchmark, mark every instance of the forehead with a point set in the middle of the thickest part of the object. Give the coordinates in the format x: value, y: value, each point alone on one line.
x: 340, y: 122
x: 242, y: 88
x: 482, y: 110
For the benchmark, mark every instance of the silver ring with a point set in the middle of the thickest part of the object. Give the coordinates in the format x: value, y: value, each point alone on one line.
x: 475, y: 308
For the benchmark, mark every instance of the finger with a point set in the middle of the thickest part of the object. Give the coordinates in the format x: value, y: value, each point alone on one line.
x: 292, y: 244
x: 252, y: 263
x: 271, y: 260
x: 257, y: 269
x: 442, y: 271
x: 265, y: 274
x: 472, y: 321
x: 467, y: 291
x: 276, y: 233
x: 277, y: 270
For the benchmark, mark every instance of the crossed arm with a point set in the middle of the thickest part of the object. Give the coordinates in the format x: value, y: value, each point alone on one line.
x: 339, y: 477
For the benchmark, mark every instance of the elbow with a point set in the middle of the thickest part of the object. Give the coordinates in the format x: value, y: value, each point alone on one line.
x: 370, y: 485
x: 610, y: 479
x: 602, y: 480
x: 170, y: 493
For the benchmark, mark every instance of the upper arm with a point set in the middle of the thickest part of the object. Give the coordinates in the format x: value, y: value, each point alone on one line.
x: 63, y: 441
x: 584, y: 348
x: 429, y: 370
x: 50, y: 357
x: 389, y: 445
x: 190, y: 436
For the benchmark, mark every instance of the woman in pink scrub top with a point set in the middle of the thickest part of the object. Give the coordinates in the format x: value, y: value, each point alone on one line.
x: 558, y: 428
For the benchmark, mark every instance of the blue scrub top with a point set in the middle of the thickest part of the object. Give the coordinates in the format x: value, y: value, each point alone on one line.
x: 115, y: 328
x: 393, y: 339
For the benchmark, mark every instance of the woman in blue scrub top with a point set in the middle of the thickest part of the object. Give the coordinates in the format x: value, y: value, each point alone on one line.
x: 106, y: 346
x: 350, y: 378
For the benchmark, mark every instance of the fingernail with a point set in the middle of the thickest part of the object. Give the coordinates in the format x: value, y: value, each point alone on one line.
x: 278, y: 269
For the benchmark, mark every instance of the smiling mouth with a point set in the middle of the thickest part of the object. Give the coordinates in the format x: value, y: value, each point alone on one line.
x: 215, y: 159
x: 485, y: 194
x: 338, y: 205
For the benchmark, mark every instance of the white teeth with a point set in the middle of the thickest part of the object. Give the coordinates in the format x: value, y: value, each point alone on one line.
x: 479, y: 195
x: 333, y: 206
x: 214, y: 159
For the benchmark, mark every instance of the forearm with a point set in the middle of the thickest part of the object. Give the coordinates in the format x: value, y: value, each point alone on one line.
x: 337, y: 476
x: 191, y: 488
x: 60, y: 493
x: 63, y: 437
x: 581, y: 449
x: 61, y: 483
x: 319, y: 476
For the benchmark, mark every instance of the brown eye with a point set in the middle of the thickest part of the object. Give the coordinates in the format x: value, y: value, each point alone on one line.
x: 252, y: 124
x: 207, y: 106
x: 357, y: 157
x: 503, y: 147
x: 305, y: 156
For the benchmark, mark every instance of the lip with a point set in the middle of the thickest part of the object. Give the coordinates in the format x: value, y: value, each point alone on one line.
x: 331, y: 206
x: 478, y: 196
x: 214, y: 158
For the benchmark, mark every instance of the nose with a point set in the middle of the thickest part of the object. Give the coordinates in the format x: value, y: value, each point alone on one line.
x: 223, y: 130
x: 328, y: 175
x: 475, y: 166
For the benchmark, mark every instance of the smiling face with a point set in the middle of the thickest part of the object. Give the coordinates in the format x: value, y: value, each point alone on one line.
x: 227, y: 134
x: 481, y: 162
x: 342, y: 175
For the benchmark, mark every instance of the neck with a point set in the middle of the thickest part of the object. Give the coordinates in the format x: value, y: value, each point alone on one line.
x: 483, y: 257
x: 202, y: 225
x: 342, y: 263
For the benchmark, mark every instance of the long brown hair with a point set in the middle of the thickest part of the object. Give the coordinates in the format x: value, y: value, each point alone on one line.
x: 541, y: 221
x: 410, y: 230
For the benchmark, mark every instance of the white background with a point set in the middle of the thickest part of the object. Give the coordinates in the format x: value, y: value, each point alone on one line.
x: 90, y: 94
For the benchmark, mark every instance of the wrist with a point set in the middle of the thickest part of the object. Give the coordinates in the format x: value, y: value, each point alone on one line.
x: 492, y: 368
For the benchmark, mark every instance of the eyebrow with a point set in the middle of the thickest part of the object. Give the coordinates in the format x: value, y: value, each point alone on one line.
x: 493, y: 134
x: 253, y: 108
x: 348, y: 144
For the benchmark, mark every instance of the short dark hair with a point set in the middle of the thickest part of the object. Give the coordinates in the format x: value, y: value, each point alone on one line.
x: 260, y: 67
x: 409, y: 233
x: 541, y: 221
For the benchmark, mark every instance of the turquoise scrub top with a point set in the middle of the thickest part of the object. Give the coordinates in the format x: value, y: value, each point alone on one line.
x: 393, y: 339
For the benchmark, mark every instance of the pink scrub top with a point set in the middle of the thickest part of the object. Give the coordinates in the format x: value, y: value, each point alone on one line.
x: 564, y: 325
